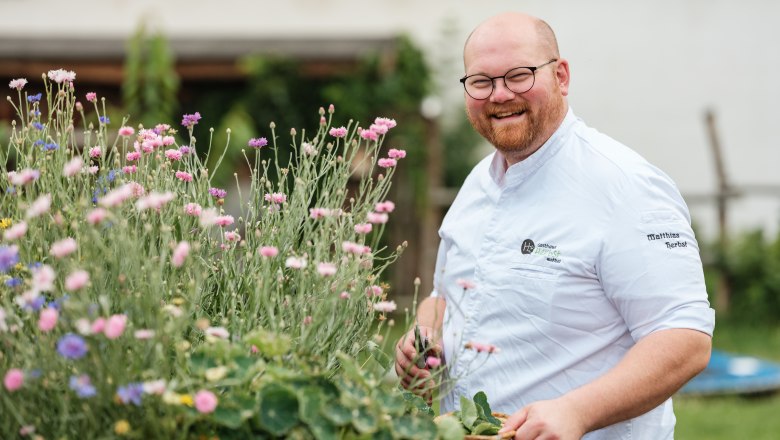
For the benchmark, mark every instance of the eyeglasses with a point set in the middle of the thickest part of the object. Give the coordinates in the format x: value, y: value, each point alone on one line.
x: 518, y: 80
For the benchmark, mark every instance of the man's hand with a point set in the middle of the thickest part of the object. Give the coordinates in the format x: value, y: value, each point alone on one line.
x: 413, y: 378
x: 545, y: 419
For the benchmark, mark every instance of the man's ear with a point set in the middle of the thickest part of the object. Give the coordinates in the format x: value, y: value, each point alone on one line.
x: 563, y: 76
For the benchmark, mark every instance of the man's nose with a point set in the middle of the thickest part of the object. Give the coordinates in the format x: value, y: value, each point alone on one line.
x: 501, y: 92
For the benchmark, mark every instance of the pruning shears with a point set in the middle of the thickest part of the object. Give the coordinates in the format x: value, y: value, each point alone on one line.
x: 422, y: 346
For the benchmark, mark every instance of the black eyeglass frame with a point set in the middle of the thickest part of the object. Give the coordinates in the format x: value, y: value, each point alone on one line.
x: 493, y: 79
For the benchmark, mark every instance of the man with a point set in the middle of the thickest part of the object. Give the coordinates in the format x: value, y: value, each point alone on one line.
x: 567, y: 251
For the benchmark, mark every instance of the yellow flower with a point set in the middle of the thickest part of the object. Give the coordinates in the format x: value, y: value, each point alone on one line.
x: 186, y: 399
x: 18, y: 267
x: 5, y: 223
x: 122, y: 427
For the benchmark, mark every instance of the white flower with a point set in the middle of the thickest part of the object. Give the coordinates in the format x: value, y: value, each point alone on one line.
x: 216, y: 373
x: 61, y: 75
x: 385, y: 306
x: 40, y: 206
x: 217, y: 332
x: 295, y: 263
x: 18, y: 83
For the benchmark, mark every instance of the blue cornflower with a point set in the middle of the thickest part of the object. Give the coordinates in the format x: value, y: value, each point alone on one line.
x: 37, y: 125
x: 34, y: 265
x: 111, y: 175
x: 72, y: 346
x: 57, y: 303
x: 10, y: 190
x: 104, y: 120
x: 13, y: 282
x: 82, y: 385
x: 51, y: 147
x: 9, y: 256
x: 131, y: 393
x: 34, y: 98
x: 35, y: 113
x: 36, y: 304
x: 38, y: 143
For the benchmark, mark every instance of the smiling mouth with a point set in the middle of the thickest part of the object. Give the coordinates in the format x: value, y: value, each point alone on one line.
x: 504, y: 115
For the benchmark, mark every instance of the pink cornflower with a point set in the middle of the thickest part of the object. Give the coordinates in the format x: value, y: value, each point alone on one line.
x: 186, y: 149
x: 95, y: 151
x: 48, y: 319
x: 369, y: 135
x: 192, y: 209
x: 190, y: 120
x: 115, y: 326
x: 295, y: 263
x: 465, y: 284
x: 93, y: 169
x: 396, y: 154
x: 232, y: 236
x: 257, y: 142
x: 183, y: 176
x: 72, y: 167
x: 277, y: 198
x: 307, y: 320
x: 355, y: 248
x: 217, y: 332
x: 344, y: 295
x: 385, y: 306
x: 205, y: 401
x: 389, y: 123
x: 180, y: 254
x: 326, y: 269
x: 23, y: 177
x: 92, y: 97
x: 133, y: 156
x: 433, y: 362
x: 98, y: 325
x: 173, y: 154
x: 143, y: 334
x: 136, y: 189
x: 15, y: 232
x: 96, y: 216
x: 154, y: 200
x: 218, y: 193
x: 386, y: 206
x: 376, y: 217
x: 39, y: 207
x: 207, y: 217
x: 60, y: 76
x: 363, y: 228
x: 14, y: 379
x: 126, y: 131
x: 160, y: 128
x: 117, y: 196
x: 269, y: 251
x: 168, y: 140
x: 18, y: 83
x: 481, y: 347
x: 378, y: 129
x: 43, y: 278
x: 224, y: 220
x: 76, y: 280
x: 63, y: 248
x: 374, y: 290
x: 129, y: 169
x: 317, y: 213
x: 339, y: 132
x: 386, y: 162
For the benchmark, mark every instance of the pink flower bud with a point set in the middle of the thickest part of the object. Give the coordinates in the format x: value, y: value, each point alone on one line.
x: 48, y: 319
x: 205, y: 401
x: 14, y: 379
x: 115, y: 326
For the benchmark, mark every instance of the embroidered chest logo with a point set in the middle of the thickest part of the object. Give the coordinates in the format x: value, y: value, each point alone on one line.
x: 670, y: 239
x: 549, y: 251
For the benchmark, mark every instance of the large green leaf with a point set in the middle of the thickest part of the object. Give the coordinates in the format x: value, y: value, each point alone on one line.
x: 450, y: 428
x: 468, y: 412
x: 278, y: 409
x: 483, y: 408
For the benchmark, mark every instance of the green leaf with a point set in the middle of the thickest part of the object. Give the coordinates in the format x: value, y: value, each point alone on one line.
x: 278, y: 409
x: 323, y: 429
x: 364, y: 421
x: 483, y: 408
x: 228, y: 417
x: 450, y: 428
x: 338, y: 414
x: 485, y: 428
x: 312, y: 402
x: 415, y: 427
x: 389, y: 401
x: 468, y: 412
x: 199, y: 363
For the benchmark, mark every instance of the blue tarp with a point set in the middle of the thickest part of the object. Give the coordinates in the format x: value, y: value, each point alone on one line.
x: 734, y: 374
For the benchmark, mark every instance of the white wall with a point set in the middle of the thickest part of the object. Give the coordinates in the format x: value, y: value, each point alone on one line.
x: 643, y: 71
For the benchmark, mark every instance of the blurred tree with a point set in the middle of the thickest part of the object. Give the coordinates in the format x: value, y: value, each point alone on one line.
x: 150, y: 81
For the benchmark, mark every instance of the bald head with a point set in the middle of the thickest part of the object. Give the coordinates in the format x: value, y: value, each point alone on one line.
x: 538, y: 33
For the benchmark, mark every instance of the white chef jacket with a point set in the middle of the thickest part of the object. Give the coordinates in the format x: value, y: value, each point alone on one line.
x: 576, y: 253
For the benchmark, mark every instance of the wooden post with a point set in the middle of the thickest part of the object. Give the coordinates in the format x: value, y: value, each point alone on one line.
x: 723, y: 293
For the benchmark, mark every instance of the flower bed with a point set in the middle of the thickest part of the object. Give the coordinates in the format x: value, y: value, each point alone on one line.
x: 134, y: 305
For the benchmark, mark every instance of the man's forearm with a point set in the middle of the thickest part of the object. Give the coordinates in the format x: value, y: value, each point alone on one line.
x: 430, y: 312
x: 654, y: 369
